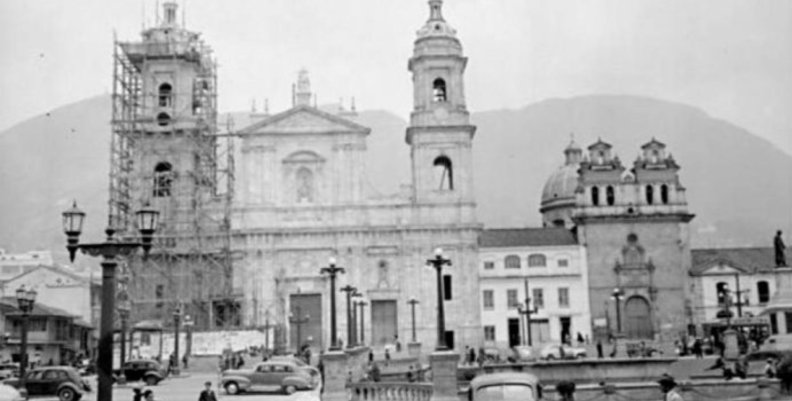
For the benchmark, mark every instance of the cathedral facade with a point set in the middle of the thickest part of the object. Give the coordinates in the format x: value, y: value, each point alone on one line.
x: 301, y: 199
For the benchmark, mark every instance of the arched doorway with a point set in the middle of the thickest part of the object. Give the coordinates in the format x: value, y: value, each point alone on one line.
x: 638, y: 318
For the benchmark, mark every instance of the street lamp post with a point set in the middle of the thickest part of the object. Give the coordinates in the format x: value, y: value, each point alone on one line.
x: 177, y: 313
x: 110, y: 251
x: 617, y: 296
x: 438, y: 262
x: 349, y: 290
x: 124, y: 309
x: 25, y: 300
x: 412, y: 303
x: 298, y: 320
x: 355, y: 337
x: 188, y: 324
x: 362, y: 304
x: 332, y: 270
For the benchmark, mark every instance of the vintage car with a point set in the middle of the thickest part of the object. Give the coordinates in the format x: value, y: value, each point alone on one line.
x: 8, y: 370
x: 506, y: 386
x: 560, y: 351
x: 147, y: 370
x: 61, y: 381
x: 277, y: 375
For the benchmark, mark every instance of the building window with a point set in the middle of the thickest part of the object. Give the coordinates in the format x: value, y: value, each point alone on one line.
x: 537, y: 260
x: 165, y: 95
x: 439, y: 90
x: 721, y: 289
x: 538, y: 297
x: 595, y: 196
x: 664, y: 194
x: 563, y: 262
x: 489, y: 265
x: 763, y: 291
x: 610, y: 196
x: 512, y: 262
x: 163, y: 179
x: 489, y: 333
x: 159, y: 291
x: 489, y: 299
x: 511, y: 299
x: 447, y: 294
x: 444, y: 171
x: 563, y: 297
x: 649, y: 194
x: 788, y: 320
x: 305, y: 185
x: 163, y: 119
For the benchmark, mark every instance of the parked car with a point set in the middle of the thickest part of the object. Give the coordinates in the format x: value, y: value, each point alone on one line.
x: 61, y: 381
x: 8, y: 370
x: 149, y: 371
x: 296, y: 360
x: 507, y: 386
x: 561, y: 351
x: 283, y: 375
x: 522, y: 353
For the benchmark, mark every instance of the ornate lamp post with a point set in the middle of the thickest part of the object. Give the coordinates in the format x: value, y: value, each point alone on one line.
x: 177, y: 314
x: 25, y: 300
x: 412, y: 303
x: 617, y: 296
x: 110, y: 251
x: 332, y: 270
x: 362, y: 304
x: 124, y: 308
x: 527, y: 311
x: 349, y: 290
x: 356, y: 295
x: 438, y: 262
x: 297, y: 319
x: 188, y: 324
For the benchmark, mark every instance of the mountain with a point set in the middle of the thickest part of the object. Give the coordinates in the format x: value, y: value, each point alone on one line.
x: 738, y: 185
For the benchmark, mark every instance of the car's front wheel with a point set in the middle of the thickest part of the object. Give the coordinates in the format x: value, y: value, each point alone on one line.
x: 67, y: 394
x: 550, y: 357
x: 289, y: 389
x: 232, y: 388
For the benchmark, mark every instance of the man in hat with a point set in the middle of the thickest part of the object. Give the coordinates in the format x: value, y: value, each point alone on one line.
x: 668, y: 387
x: 207, y: 394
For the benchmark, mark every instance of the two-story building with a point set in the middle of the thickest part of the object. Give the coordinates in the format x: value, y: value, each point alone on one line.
x: 547, y: 264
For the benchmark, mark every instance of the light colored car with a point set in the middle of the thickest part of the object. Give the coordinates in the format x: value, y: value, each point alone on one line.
x: 283, y: 375
x: 506, y: 386
x: 522, y: 353
x: 560, y: 351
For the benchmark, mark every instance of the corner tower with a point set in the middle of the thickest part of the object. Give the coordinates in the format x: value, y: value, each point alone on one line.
x: 440, y: 134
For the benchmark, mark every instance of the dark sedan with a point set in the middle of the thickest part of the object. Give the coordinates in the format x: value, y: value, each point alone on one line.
x: 62, y: 381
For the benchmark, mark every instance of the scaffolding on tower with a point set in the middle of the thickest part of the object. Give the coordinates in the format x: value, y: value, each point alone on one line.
x: 184, y: 167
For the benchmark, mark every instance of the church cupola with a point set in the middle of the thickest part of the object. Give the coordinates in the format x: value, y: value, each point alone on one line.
x: 302, y: 89
x: 169, y: 7
x: 573, y: 153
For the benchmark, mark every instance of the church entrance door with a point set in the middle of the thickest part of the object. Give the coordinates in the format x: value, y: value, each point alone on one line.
x: 383, y: 322
x: 637, y: 318
x: 305, y: 321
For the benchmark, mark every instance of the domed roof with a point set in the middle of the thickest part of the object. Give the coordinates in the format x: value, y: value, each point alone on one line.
x: 559, y: 190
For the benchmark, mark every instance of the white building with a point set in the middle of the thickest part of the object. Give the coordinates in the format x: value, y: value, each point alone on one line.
x: 14, y: 264
x: 552, y: 265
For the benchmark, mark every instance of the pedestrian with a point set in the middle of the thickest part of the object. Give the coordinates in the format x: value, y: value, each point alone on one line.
x: 580, y: 339
x: 770, y: 369
x: 375, y: 372
x: 397, y: 342
x: 599, y: 349
x: 698, y: 349
x: 669, y: 388
x: 207, y: 394
x: 387, y: 356
x: 410, y: 374
x: 371, y: 356
x: 472, y: 355
x: 148, y: 395
x: 566, y: 390
x: 184, y: 361
x: 137, y: 392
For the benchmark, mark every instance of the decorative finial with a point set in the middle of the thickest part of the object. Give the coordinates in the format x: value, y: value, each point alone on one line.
x: 302, y: 92
x: 352, y: 105
x: 435, y: 10
x: 253, y: 105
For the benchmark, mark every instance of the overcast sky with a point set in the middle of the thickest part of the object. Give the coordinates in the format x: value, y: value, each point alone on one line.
x: 733, y: 59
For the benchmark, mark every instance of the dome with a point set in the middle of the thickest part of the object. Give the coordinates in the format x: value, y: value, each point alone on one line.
x: 559, y: 190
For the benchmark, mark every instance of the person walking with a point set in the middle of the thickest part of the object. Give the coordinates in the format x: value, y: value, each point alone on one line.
x: 599, y: 349
x: 669, y: 388
x: 207, y: 394
x: 566, y: 390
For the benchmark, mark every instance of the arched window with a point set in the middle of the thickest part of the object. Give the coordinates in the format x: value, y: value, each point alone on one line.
x: 649, y: 194
x: 512, y: 262
x: 763, y: 291
x: 722, y: 289
x: 610, y: 196
x: 444, y: 173
x: 163, y: 119
x: 537, y: 260
x: 664, y: 194
x: 439, y: 90
x: 163, y: 179
x: 305, y: 185
x: 595, y: 196
x: 165, y: 93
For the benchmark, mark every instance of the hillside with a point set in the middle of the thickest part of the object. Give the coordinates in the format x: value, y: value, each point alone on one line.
x: 739, y: 185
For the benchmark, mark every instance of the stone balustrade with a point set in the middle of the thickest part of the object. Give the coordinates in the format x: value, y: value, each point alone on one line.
x: 390, y: 391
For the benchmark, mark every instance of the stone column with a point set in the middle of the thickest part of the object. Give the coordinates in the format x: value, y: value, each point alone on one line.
x: 414, y: 349
x: 335, y: 376
x: 444, y: 375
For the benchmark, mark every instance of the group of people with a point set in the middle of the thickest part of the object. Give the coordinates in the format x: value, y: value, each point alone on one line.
x: 141, y: 394
x: 231, y: 360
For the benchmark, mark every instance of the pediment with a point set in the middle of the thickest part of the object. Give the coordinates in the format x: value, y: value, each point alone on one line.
x: 720, y: 267
x: 305, y: 120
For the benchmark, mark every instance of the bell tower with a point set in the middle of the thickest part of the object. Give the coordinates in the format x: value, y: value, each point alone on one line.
x: 440, y: 134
